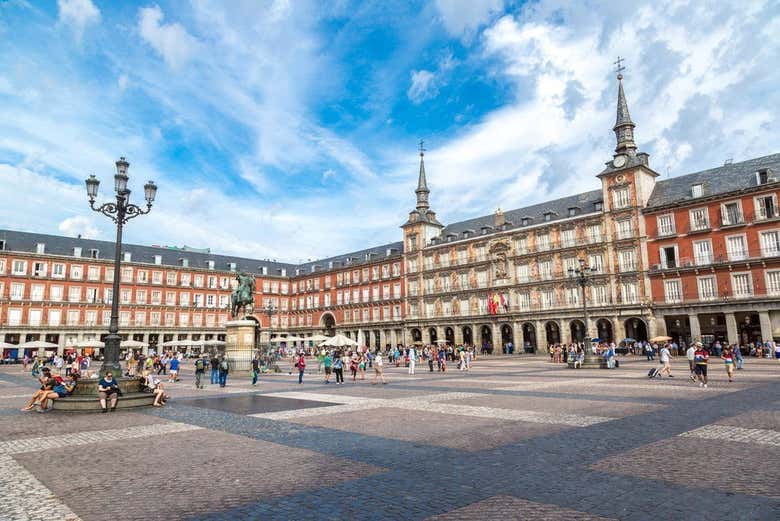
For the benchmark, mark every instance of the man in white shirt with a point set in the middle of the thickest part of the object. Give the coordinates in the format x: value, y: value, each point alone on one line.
x: 412, y: 359
x: 666, y: 359
x: 690, y: 354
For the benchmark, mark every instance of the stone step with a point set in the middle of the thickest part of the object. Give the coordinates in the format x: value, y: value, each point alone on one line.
x: 86, y: 403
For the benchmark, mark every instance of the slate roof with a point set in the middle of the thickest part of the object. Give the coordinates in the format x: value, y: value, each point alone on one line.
x: 59, y: 245
x: 584, y: 202
x: 720, y: 180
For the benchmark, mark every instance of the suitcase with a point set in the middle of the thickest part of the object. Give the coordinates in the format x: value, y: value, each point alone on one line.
x: 617, y: 364
x: 652, y: 373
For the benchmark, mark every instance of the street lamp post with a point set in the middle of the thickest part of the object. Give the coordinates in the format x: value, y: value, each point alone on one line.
x: 582, y: 277
x: 120, y: 212
x: 269, y: 310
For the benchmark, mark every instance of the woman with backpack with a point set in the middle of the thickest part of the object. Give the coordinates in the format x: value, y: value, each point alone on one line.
x: 224, y: 369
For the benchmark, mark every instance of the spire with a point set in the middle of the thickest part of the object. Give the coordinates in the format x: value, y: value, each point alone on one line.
x: 624, y: 127
x: 422, y: 185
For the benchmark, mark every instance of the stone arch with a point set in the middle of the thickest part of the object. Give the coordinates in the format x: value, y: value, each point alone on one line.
x: 604, y: 330
x: 578, y: 331
x: 432, y: 335
x: 529, y: 337
x: 449, y: 335
x: 328, y: 323
x: 507, y: 334
x: 486, y: 336
x: 636, y: 328
x: 552, y: 332
x: 416, y: 334
x: 468, y: 335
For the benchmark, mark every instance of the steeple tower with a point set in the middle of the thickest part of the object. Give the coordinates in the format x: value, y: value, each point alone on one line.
x: 624, y: 127
x: 422, y: 185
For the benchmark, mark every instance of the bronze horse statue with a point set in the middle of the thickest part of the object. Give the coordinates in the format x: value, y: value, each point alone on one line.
x: 243, y: 297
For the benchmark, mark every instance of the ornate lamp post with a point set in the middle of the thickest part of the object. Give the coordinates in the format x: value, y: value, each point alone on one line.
x: 582, y: 277
x: 120, y: 212
x: 269, y: 310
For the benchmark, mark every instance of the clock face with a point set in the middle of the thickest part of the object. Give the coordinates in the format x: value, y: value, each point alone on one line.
x: 619, y: 161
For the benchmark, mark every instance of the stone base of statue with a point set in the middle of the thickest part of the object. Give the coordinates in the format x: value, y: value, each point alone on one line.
x: 85, y: 396
x: 592, y: 361
x: 240, y: 344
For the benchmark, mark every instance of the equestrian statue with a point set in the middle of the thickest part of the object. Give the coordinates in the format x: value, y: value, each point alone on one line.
x: 243, y: 296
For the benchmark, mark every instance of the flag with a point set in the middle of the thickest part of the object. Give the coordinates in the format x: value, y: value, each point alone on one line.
x: 504, y: 304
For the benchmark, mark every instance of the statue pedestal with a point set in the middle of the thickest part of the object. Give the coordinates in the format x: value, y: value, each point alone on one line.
x: 240, y: 344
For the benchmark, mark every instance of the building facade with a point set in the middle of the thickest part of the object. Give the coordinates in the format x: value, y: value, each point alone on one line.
x: 694, y: 256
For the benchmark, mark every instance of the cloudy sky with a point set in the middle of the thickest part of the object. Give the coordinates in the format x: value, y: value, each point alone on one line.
x: 288, y: 129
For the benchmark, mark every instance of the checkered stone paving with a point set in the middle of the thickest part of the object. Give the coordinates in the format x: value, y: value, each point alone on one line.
x: 515, y: 438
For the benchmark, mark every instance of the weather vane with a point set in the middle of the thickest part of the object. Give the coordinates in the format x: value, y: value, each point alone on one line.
x: 619, y: 67
x: 422, y: 148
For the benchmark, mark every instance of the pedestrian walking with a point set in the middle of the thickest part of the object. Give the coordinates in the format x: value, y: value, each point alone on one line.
x: 224, y: 369
x: 327, y: 362
x: 378, y: 369
x: 174, y: 376
x: 255, y: 370
x: 737, y: 356
x: 666, y: 360
x: 200, y: 370
x: 214, y: 363
x: 690, y: 353
x: 700, y: 358
x: 412, y: 359
x: 338, y: 368
x: 728, y: 357
x: 301, y: 365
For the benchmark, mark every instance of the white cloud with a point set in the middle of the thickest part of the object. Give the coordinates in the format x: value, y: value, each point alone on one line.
x: 423, y: 86
x: 171, y: 41
x: 121, y: 82
x: 78, y: 14
x: 463, y: 17
x: 327, y: 175
x: 79, y: 226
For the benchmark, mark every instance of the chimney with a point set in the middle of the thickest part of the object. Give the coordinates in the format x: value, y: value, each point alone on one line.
x: 498, y: 218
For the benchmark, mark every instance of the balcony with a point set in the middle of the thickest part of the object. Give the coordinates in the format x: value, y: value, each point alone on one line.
x: 732, y: 219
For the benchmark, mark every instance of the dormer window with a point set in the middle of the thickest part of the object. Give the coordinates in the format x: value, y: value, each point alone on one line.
x: 157, y: 259
x: 210, y: 264
x: 40, y: 248
x: 697, y: 190
x: 598, y: 206
x: 572, y: 212
x: 77, y: 251
x: 127, y: 256
x: 94, y: 253
x: 547, y: 216
x: 2, y: 245
x: 184, y: 262
x: 762, y: 176
x: 525, y: 221
x: 466, y: 234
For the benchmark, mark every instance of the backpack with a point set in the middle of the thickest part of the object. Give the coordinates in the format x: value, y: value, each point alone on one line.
x: 224, y: 365
x: 199, y: 365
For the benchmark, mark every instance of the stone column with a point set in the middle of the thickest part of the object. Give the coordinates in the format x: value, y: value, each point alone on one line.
x: 565, y: 329
x: 498, y: 345
x: 657, y: 326
x: 695, y: 328
x: 393, y: 338
x: 731, y: 328
x: 458, y: 330
x: 440, y: 333
x: 517, y: 337
x: 541, y: 337
x: 766, y: 326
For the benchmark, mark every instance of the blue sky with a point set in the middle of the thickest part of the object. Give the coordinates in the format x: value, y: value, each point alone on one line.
x: 288, y: 129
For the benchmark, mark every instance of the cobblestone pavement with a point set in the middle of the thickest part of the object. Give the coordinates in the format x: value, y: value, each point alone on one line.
x: 514, y: 438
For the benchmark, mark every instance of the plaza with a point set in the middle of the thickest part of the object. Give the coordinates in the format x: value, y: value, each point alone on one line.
x: 513, y: 438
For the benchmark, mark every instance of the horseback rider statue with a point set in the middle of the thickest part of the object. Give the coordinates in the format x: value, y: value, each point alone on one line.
x: 243, y: 296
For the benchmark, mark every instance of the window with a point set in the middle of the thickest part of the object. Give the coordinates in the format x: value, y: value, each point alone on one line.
x: 14, y: 317
x: 524, y: 301
x: 596, y: 262
x: 55, y: 317
x: 736, y: 247
x: 127, y: 275
x: 74, y: 294
x: 569, y: 265
x: 127, y: 256
x: 627, y: 260
x: 547, y: 216
x: 770, y: 243
x: 92, y: 295
x: 90, y: 317
x: 108, y: 296
x: 158, y: 259
x: 624, y: 230
x: 2, y: 265
x: 397, y: 290
x: 105, y: 318
x: 140, y: 296
x: 594, y: 233
x: 34, y: 317
x: 74, y: 315
x: 762, y: 176
x: 766, y: 207
x: 525, y: 221
x: 573, y: 296
x: 599, y: 295
x: 669, y: 257
x: 124, y: 296
x: 572, y: 212
x: 157, y: 277
x: 77, y: 252
x: 94, y: 253
x: 39, y: 269
x: 211, y: 301
x: 629, y: 292
x: 55, y: 293
x: 621, y: 198
x: 93, y: 273
x: 521, y: 245
x: 142, y: 276
x: 700, y: 219
x: 76, y: 272
x: 108, y: 275
x: 707, y: 288
x: 154, y: 318
x: 36, y: 292
x: 543, y: 241
x: 548, y: 298
x: 17, y: 291
x: 170, y: 298
x: 170, y: 278
x: 140, y: 318
x: 773, y: 282
x: 673, y: 291
x: 19, y: 267
x: 198, y: 281
x: 665, y: 225
x: 731, y: 213
x: 522, y: 273
x: 697, y: 190
x: 598, y: 206
x: 396, y: 269
x: 124, y: 318
x: 741, y: 285
x: 567, y: 238
x: 702, y: 252
x: 184, y: 319
x: 185, y: 279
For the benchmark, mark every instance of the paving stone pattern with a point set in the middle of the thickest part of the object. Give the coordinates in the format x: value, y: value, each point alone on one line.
x: 516, y: 438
